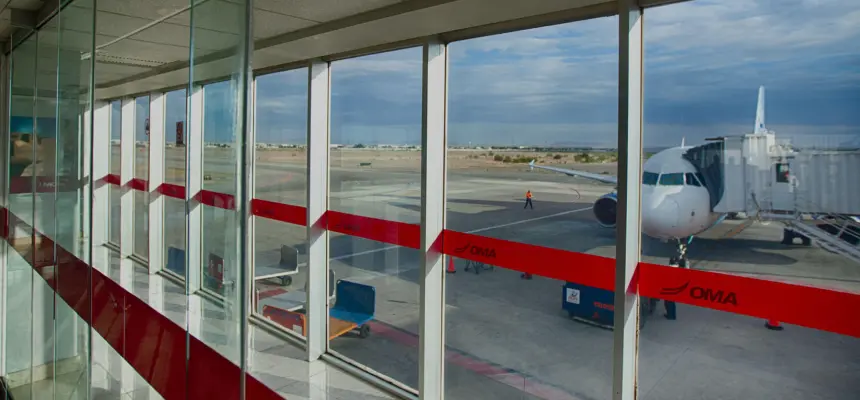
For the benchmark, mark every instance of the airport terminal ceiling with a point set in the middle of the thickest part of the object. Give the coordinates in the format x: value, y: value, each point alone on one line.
x: 143, y: 46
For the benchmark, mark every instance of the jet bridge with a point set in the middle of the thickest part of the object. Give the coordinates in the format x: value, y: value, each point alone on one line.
x: 758, y: 174
x: 816, y: 194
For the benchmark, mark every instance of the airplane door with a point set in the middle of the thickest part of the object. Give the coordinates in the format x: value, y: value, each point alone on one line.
x: 783, y: 187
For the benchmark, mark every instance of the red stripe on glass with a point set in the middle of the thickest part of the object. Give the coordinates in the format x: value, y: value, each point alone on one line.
x: 824, y: 309
x: 215, y: 199
x: 138, y: 184
x: 392, y: 232
x: 171, y: 190
x: 585, y: 269
x: 279, y: 212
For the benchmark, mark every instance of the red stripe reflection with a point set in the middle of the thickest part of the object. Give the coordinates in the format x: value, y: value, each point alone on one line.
x: 152, y: 344
x: 823, y: 309
x: 215, y: 199
x: 171, y: 190
x: 279, y: 212
x: 399, y: 233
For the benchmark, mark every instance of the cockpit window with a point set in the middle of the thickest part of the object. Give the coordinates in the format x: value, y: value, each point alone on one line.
x: 676, y: 179
x: 692, y: 180
x: 649, y: 178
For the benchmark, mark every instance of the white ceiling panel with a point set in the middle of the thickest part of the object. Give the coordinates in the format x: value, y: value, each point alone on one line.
x: 147, y: 9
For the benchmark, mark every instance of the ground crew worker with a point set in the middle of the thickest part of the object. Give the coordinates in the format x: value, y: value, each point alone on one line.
x: 529, y: 200
x: 670, y: 305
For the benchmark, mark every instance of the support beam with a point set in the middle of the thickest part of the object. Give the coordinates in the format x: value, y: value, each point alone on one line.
x: 432, y: 295
x: 319, y: 93
x: 630, y: 89
x: 126, y: 242
x: 157, y: 113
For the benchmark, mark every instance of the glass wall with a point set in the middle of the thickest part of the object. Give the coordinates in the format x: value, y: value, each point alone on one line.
x: 45, y: 299
x: 748, y: 229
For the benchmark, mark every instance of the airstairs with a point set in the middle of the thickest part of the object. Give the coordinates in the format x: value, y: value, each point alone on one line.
x: 836, y: 233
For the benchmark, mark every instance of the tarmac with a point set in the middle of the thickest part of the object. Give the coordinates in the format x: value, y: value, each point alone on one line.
x: 509, y: 339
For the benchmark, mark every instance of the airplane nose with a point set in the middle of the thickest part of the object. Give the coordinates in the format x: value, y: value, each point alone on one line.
x: 659, y: 216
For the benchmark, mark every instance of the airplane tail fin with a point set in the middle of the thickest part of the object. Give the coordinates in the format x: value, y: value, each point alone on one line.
x: 532, y: 165
x: 759, y: 114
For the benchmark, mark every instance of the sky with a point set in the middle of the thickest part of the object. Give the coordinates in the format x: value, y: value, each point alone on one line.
x: 704, y: 62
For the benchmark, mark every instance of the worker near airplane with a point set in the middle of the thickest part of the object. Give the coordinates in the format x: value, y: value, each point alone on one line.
x: 529, y: 200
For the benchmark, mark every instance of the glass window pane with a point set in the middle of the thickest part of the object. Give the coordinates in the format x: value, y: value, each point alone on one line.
x: 649, y: 178
x: 376, y: 172
x: 280, y: 249
x: 703, y: 80
x: 673, y: 179
x: 549, y: 95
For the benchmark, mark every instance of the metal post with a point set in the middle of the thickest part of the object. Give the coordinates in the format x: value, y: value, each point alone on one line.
x: 157, y: 124
x: 629, y: 177
x: 319, y: 91
x: 433, y: 141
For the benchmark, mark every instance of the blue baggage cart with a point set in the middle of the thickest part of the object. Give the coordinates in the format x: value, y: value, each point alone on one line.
x: 596, y: 306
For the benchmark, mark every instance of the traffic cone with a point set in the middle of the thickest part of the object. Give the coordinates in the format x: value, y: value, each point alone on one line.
x: 773, y: 325
x: 451, y: 268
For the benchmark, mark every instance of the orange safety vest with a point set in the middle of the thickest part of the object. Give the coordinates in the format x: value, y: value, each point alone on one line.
x: 528, y: 195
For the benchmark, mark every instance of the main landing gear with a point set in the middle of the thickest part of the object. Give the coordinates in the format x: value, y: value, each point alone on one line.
x: 680, y: 259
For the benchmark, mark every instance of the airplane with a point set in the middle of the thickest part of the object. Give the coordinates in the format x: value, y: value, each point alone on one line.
x: 677, y: 201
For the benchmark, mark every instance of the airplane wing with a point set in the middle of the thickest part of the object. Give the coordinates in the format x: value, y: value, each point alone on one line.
x: 581, y: 174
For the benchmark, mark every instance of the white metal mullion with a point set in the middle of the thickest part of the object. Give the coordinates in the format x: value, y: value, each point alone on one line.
x: 433, y: 141
x: 319, y: 93
x: 157, y: 124
x: 193, y: 209
x: 627, y: 253
x: 250, y: 237
x: 127, y: 159
x: 101, y: 150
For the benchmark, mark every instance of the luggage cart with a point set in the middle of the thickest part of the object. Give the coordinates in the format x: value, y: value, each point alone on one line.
x: 355, y: 307
x: 283, y: 271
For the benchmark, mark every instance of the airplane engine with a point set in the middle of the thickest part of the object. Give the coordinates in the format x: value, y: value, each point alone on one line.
x: 605, y: 210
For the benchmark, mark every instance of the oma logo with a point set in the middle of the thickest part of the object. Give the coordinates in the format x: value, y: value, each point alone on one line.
x: 703, y: 293
x: 476, y: 250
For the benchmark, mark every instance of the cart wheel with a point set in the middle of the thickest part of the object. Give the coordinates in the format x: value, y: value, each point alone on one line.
x: 286, y: 280
x: 364, y: 331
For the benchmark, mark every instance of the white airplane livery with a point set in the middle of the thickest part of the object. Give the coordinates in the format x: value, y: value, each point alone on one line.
x: 676, y: 203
